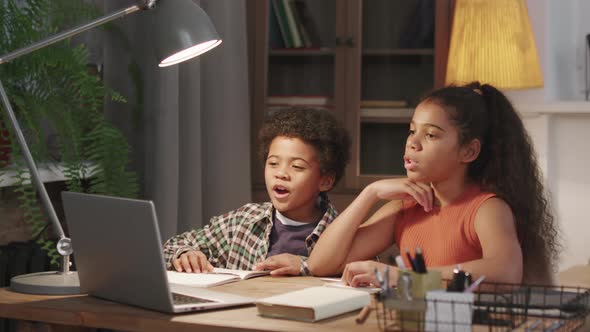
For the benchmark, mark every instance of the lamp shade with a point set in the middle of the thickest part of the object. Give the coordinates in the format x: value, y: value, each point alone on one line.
x: 492, y: 42
x: 183, y: 31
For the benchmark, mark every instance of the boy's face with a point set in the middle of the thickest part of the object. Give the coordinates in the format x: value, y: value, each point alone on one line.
x: 293, y: 178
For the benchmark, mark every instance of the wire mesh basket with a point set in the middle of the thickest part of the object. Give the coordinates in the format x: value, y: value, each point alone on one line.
x: 493, y: 307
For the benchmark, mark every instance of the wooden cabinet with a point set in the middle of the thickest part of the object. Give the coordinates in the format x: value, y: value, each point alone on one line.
x: 372, y: 61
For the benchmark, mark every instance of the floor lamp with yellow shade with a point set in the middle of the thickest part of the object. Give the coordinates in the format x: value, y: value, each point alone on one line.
x: 492, y: 42
x: 182, y: 31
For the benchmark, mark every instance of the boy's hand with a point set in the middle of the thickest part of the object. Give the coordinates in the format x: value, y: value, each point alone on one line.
x: 192, y: 261
x: 361, y: 274
x: 283, y: 264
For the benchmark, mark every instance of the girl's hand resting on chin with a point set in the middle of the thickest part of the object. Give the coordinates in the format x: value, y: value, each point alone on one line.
x: 404, y: 188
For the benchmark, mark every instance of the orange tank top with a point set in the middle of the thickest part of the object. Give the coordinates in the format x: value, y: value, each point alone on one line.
x: 445, y: 235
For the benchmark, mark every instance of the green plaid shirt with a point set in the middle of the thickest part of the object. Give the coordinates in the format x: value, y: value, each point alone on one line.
x: 239, y: 239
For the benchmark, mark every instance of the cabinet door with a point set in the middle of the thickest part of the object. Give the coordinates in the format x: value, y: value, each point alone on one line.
x: 296, y: 53
x: 399, y: 60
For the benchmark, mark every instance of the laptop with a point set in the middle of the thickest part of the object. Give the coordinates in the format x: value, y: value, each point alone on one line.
x: 119, y: 256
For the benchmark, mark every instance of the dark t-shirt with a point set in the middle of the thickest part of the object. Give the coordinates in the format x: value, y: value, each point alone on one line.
x: 288, y: 238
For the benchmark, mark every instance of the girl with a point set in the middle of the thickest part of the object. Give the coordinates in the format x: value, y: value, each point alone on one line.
x: 473, y: 195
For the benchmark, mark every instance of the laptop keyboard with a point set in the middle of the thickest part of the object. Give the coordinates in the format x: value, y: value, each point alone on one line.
x: 185, y: 299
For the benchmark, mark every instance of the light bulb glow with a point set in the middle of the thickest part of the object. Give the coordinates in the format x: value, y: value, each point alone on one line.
x: 190, y: 52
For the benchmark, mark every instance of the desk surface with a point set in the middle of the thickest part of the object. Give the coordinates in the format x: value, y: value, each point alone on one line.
x: 83, y: 310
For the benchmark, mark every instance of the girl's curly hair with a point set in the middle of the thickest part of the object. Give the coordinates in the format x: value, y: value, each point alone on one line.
x: 506, y: 166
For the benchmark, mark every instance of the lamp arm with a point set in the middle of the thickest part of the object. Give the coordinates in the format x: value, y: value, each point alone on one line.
x: 74, y: 31
x: 30, y: 162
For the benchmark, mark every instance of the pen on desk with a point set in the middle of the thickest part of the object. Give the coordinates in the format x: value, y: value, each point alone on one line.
x: 380, y: 280
x: 533, y: 326
x: 468, y: 279
x: 400, y: 263
x: 474, y: 285
x: 555, y: 326
x: 362, y: 316
x: 411, y: 260
x: 419, y: 261
x: 386, y: 280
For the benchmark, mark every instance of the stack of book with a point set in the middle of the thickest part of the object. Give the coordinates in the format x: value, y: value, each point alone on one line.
x: 385, y: 110
x: 291, y: 25
x: 278, y: 102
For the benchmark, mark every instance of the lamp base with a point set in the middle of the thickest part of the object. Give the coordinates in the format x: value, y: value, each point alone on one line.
x: 47, y: 283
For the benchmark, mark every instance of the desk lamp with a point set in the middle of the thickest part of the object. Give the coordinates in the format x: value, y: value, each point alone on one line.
x: 492, y: 42
x: 183, y: 31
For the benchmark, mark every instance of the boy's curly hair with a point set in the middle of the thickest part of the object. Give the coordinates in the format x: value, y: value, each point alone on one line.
x: 317, y: 127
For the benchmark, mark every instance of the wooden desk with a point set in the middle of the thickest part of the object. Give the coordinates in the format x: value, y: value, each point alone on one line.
x: 82, y: 312
x: 87, y: 311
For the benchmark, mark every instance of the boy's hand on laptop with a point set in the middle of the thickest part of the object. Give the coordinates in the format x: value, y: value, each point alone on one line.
x: 192, y: 261
x: 282, y: 264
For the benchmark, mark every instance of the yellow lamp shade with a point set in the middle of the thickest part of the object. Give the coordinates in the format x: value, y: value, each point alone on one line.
x: 492, y: 42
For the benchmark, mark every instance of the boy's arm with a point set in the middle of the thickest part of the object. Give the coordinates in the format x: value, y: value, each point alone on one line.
x: 209, y: 240
x: 304, y: 268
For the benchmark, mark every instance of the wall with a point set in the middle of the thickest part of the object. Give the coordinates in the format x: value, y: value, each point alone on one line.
x: 560, y: 29
x: 557, y: 130
x: 557, y: 117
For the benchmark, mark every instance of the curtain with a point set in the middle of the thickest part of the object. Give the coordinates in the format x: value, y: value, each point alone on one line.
x: 189, y: 124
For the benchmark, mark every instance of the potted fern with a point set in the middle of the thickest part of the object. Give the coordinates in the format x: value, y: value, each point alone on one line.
x: 52, y: 90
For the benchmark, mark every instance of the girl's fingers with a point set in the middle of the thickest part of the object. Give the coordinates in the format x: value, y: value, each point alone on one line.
x: 345, y: 274
x: 429, y: 194
x: 361, y: 280
x: 418, y: 193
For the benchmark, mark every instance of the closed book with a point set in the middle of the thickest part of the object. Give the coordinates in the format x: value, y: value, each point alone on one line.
x: 387, y: 113
x: 313, y: 304
x: 383, y: 103
x: 302, y: 100
x: 275, y: 35
x: 305, y: 40
x: 295, y: 36
x: 310, y: 28
x: 281, y: 16
x: 217, y: 277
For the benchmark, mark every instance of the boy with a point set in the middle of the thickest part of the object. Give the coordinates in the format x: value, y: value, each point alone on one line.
x: 305, y: 153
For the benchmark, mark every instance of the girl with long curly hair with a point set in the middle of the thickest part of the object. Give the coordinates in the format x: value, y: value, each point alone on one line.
x: 473, y: 196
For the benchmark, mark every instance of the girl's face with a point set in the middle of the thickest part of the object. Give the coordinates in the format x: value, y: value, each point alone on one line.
x: 432, y: 153
x: 293, y: 178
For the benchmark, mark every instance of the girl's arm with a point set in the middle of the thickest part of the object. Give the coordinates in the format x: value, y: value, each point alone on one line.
x: 502, y: 255
x: 344, y: 241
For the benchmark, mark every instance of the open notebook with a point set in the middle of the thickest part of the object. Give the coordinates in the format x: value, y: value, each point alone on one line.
x: 217, y: 277
x: 338, y: 283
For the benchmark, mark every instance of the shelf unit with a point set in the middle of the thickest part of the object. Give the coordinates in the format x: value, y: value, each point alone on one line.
x: 370, y: 50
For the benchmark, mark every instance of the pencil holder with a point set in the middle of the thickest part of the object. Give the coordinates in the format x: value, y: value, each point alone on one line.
x: 412, y: 288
